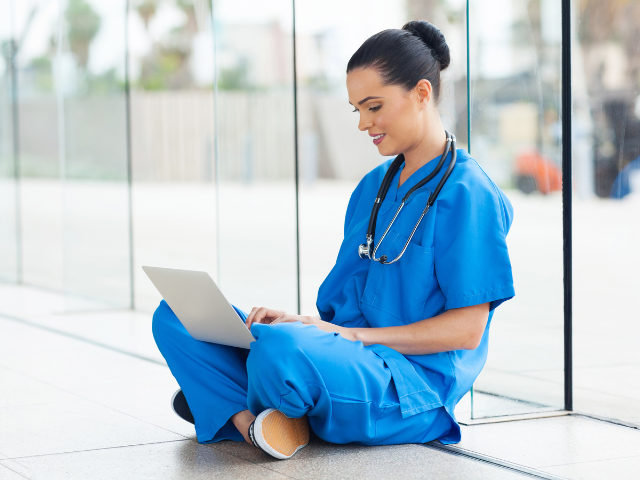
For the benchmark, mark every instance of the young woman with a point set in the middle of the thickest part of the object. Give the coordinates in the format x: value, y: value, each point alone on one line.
x: 405, y: 311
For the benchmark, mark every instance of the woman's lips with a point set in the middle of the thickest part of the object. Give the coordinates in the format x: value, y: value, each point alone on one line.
x: 378, y: 138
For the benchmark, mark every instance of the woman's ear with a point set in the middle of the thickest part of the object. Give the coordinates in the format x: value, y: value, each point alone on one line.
x: 424, y: 91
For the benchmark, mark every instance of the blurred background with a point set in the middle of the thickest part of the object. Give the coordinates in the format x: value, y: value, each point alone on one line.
x: 192, y: 134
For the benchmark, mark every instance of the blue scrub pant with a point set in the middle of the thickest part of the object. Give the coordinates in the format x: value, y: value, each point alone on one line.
x: 343, y: 387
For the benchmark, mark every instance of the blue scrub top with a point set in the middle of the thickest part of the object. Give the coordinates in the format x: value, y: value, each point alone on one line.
x: 458, y: 257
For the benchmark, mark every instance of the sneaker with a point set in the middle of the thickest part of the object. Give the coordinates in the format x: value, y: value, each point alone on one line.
x: 278, y: 435
x: 181, y: 407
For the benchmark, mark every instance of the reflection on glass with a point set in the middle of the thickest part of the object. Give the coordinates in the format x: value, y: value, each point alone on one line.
x: 171, y: 73
x: 9, y: 267
x: 256, y: 153
x: 90, y: 56
x: 515, y: 113
x: 606, y: 208
x: 36, y: 29
x: 333, y: 154
x: 73, y: 152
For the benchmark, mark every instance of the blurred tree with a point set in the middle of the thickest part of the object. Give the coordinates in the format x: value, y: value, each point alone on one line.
x: 234, y: 78
x: 167, y: 66
x: 83, y: 25
x: 146, y: 9
x: 603, y: 21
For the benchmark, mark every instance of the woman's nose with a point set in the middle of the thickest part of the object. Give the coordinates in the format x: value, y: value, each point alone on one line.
x: 364, y: 124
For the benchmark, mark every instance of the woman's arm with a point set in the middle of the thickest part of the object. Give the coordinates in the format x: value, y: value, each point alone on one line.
x: 455, y: 329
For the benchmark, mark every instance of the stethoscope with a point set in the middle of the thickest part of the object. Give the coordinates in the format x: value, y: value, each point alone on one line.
x: 364, y: 250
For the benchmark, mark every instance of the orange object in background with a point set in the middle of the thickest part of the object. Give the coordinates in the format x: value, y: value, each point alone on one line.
x: 537, y: 173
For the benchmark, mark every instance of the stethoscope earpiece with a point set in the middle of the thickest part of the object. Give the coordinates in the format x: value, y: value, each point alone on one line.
x: 364, y: 250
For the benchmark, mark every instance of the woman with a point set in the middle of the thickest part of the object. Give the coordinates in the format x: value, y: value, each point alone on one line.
x: 398, y: 343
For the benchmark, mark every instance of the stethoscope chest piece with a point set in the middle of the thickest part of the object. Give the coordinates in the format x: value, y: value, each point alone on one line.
x: 364, y: 249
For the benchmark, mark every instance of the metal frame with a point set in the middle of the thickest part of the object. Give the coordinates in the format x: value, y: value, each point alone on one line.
x: 127, y: 96
x: 296, y: 156
x: 567, y: 238
x: 15, y: 120
x: 566, y: 204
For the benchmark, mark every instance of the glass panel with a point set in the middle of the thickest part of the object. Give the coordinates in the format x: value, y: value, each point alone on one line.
x: 93, y: 132
x: 606, y: 208
x: 172, y: 139
x: 256, y: 153
x: 9, y: 253
x: 515, y: 48
x: 334, y: 154
x: 36, y: 28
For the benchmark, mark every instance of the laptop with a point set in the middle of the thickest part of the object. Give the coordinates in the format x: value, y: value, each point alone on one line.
x: 200, y: 306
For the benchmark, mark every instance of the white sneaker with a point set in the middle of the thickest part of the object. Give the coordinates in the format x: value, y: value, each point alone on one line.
x: 278, y: 435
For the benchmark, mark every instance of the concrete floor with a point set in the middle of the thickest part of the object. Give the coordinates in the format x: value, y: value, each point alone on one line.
x: 86, y: 395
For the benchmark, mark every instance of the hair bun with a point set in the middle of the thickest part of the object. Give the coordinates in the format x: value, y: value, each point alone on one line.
x: 432, y: 38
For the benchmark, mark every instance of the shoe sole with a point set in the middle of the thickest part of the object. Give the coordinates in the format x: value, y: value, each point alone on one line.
x: 190, y: 419
x: 279, y: 435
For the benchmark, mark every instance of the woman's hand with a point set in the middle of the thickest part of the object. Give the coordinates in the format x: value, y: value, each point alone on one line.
x: 273, y: 316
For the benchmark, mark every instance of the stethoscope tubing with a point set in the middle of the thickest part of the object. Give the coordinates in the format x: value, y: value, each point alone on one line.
x: 365, y: 249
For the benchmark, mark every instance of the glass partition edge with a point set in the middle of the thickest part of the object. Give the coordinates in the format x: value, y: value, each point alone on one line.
x: 566, y: 201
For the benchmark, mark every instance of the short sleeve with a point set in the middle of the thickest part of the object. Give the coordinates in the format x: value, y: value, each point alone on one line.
x: 471, y: 258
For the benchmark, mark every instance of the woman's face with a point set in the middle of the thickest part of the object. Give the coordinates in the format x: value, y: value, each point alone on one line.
x: 392, y: 116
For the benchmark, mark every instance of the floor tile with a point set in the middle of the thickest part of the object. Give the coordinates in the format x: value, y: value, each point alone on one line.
x: 8, y: 474
x: 146, y: 394
x: 392, y: 462
x: 552, y: 441
x: 17, y: 389
x: 172, y: 423
x: 28, y: 302
x: 62, y: 361
x: 487, y: 405
x: 619, y: 468
x: 317, y: 448
x: 185, y: 460
x: 521, y: 386
x: 126, y: 330
x: 72, y: 426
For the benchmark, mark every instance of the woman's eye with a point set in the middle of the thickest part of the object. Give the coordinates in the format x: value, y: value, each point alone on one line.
x: 375, y: 109
x: 355, y: 110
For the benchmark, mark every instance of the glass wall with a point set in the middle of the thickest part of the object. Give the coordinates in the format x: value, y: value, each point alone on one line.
x: 9, y: 242
x: 515, y: 115
x: 163, y: 132
x: 92, y: 113
x: 606, y: 208
x: 36, y: 30
x: 72, y: 159
x: 255, y: 152
x: 171, y: 74
x: 333, y: 154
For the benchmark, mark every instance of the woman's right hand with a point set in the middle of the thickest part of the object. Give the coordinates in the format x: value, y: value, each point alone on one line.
x: 263, y: 315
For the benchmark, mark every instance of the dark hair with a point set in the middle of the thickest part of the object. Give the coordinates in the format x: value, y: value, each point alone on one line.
x: 404, y: 57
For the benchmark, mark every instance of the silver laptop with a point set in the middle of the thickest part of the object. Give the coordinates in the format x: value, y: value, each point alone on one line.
x: 200, y: 306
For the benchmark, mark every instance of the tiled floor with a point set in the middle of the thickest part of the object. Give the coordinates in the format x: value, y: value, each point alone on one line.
x: 72, y: 409
x: 566, y: 446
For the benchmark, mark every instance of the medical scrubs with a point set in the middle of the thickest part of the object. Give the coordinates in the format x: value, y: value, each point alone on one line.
x: 350, y: 392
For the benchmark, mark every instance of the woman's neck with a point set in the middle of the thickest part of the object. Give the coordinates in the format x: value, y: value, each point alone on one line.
x: 430, y: 146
